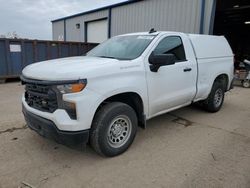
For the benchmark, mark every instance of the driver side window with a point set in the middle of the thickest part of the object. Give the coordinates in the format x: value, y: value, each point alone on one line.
x: 171, y: 45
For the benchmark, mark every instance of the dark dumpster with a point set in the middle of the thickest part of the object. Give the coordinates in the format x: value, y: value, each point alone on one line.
x: 15, y: 54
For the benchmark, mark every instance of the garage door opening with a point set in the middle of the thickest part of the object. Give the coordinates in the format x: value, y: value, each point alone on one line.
x: 96, y: 31
x: 232, y: 19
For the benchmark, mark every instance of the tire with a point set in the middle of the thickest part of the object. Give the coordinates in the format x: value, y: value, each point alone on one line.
x: 113, y: 129
x: 215, y: 99
x: 246, y: 84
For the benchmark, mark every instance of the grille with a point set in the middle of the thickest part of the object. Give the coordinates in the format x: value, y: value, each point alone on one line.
x: 41, y: 97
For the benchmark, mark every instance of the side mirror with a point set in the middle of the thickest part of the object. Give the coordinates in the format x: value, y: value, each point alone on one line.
x: 158, y: 60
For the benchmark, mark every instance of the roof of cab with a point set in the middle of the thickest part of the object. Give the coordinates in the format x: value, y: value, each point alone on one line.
x: 205, y: 46
x: 154, y: 33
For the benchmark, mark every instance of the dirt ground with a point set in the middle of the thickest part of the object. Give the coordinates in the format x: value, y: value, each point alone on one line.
x: 185, y: 148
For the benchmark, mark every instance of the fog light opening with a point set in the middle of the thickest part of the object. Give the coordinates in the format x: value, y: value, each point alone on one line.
x: 70, y: 108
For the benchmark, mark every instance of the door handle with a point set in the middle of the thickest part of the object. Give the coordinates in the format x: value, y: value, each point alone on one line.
x: 187, y: 69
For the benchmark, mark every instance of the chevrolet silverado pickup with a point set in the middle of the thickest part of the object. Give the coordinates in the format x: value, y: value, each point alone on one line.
x: 102, y: 97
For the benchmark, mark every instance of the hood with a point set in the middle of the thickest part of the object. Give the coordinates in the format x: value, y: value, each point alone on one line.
x: 71, y: 68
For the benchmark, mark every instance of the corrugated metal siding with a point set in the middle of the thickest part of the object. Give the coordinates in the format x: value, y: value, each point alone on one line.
x: 3, y: 59
x: 208, y: 13
x: 58, y: 30
x: 74, y: 34
x: 171, y: 15
x: 95, y: 15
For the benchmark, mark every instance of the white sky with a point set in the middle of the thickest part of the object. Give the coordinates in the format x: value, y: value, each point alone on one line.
x: 31, y: 18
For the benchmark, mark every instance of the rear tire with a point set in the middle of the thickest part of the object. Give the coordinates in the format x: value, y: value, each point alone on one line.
x: 113, y: 130
x: 216, y: 98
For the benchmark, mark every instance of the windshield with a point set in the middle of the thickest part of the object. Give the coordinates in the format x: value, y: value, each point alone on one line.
x: 122, y: 47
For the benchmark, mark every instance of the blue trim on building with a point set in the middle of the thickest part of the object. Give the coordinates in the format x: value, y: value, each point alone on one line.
x: 64, y: 30
x: 98, y: 9
x: 211, y: 24
x: 202, y: 16
x: 109, y: 22
x: 85, y: 31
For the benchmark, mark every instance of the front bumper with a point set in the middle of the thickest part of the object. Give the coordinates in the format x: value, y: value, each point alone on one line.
x: 86, y: 104
x: 48, y: 129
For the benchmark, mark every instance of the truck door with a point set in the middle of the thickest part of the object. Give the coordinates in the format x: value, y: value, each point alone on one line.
x: 172, y: 86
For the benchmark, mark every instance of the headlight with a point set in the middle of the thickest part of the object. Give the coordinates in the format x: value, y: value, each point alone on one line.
x: 71, y: 88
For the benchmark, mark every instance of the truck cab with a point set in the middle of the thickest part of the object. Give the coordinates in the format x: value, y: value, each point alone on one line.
x: 102, y: 97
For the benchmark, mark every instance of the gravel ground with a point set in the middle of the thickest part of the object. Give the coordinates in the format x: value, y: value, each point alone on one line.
x: 185, y: 148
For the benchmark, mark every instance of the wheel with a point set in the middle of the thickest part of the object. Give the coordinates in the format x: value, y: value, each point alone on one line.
x: 113, y: 130
x: 216, y: 98
x: 246, y: 83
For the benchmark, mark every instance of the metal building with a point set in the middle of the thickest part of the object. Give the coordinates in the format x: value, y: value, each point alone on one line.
x: 193, y: 16
x: 221, y: 17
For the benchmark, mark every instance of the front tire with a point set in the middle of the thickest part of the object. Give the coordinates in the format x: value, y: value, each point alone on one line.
x: 215, y: 99
x: 113, y: 130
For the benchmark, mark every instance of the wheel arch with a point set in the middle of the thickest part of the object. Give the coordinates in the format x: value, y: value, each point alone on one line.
x: 224, y: 79
x: 132, y: 99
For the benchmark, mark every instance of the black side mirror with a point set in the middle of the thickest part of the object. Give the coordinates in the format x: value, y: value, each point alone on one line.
x: 158, y: 60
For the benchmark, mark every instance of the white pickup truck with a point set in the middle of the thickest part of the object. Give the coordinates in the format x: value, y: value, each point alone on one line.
x: 102, y: 97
